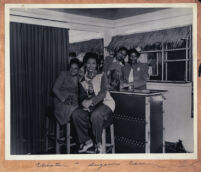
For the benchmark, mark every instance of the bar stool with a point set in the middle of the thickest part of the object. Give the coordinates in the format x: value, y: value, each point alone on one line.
x: 111, y: 145
x: 49, y: 130
x: 53, y: 132
x: 68, y: 138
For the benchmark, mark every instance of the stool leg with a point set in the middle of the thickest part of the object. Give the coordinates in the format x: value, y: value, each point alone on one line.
x: 57, y: 137
x: 112, y: 137
x: 68, y: 138
x: 104, y: 140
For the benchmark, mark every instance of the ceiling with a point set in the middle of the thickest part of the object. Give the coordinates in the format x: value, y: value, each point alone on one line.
x: 107, y: 13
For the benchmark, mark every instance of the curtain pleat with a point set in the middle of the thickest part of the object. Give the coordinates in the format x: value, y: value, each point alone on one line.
x: 37, y: 55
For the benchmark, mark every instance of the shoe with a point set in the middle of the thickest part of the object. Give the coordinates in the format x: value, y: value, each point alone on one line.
x: 84, y: 147
x: 99, y: 148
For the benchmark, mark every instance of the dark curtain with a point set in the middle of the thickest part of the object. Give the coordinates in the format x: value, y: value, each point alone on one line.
x: 37, y: 55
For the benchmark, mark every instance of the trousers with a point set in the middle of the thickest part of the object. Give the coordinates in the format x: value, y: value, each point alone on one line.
x: 100, y: 117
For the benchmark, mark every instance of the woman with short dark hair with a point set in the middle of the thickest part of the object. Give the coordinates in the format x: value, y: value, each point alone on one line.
x: 112, y: 67
x: 134, y: 74
x: 65, y: 90
x: 81, y: 73
x: 96, y: 106
x: 116, y: 62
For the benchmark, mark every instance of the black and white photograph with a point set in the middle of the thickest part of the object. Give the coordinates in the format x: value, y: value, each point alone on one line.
x: 101, y: 80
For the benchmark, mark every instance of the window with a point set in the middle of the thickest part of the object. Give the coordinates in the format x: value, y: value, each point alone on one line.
x: 170, y: 63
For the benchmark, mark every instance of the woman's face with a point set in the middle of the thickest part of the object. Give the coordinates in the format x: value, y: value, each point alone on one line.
x: 121, y: 55
x: 91, y: 65
x: 133, y: 58
x: 74, y: 69
x: 81, y: 72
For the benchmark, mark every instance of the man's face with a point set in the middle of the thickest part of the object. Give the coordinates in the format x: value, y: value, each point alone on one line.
x: 121, y: 55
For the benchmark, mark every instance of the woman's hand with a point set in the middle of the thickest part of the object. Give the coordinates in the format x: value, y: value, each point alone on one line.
x: 124, y: 85
x: 87, y: 103
x: 68, y: 100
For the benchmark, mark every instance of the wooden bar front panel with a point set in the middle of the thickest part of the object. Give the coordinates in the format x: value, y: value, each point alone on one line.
x: 130, y: 123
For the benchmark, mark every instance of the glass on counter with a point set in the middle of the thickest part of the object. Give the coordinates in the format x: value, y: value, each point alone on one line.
x: 131, y: 87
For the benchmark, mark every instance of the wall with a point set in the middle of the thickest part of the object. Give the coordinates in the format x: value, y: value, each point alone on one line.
x: 178, y: 123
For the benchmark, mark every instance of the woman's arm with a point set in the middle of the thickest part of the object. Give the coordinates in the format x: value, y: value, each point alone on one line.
x: 57, y: 85
x: 101, y: 95
x: 124, y: 81
x: 83, y: 98
x: 82, y: 93
x: 139, y: 83
x: 125, y: 85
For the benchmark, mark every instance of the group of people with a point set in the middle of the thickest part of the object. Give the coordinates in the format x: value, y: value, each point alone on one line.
x: 82, y: 94
x: 122, y: 75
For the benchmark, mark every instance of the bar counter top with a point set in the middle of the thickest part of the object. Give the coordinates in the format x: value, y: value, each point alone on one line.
x: 146, y: 92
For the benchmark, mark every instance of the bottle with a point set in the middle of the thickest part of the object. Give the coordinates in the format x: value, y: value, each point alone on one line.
x: 90, y: 89
x: 131, y: 87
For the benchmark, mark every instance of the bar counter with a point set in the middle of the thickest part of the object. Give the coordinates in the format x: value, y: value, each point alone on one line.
x: 138, y: 121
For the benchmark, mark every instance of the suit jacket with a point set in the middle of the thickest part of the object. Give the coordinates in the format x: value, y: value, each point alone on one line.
x: 140, y: 74
x: 64, y: 87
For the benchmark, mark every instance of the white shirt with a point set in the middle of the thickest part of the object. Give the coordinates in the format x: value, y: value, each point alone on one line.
x: 131, y: 77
